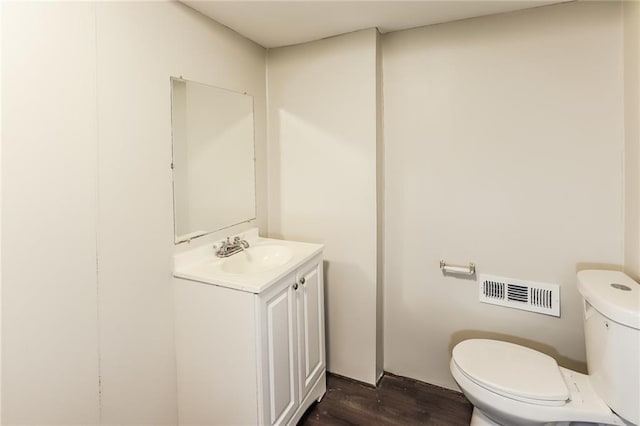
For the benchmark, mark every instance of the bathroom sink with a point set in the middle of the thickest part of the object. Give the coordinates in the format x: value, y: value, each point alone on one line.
x: 257, y: 259
x: 264, y: 263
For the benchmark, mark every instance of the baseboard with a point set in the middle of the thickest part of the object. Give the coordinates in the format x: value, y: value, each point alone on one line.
x: 379, y: 378
x: 349, y: 379
x: 386, y: 373
x: 444, y: 389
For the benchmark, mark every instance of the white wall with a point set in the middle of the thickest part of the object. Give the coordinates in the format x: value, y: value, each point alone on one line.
x: 87, y: 229
x: 322, y: 180
x: 1, y: 105
x: 632, y: 137
x: 139, y: 46
x: 503, y: 146
x: 49, y: 298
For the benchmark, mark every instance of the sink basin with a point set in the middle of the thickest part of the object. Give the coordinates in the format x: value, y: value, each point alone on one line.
x: 257, y: 259
x: 265, y: 262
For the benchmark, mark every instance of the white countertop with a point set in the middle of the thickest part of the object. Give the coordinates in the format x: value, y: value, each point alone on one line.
x: 202, y: 265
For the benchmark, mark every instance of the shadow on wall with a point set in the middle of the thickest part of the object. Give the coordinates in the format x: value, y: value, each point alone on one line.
x: 605, y: 266
x: 349, y: 313
x: 563, y: 361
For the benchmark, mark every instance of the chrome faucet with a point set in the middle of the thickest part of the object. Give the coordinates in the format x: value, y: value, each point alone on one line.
x: 229, y: 248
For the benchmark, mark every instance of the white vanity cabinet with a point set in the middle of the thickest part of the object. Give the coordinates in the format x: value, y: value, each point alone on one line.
x: 292, y: 342
x: 246, y: 358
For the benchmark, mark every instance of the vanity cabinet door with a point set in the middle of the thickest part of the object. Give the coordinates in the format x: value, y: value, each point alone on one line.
x: 279, y: 354
x: 310, y: 312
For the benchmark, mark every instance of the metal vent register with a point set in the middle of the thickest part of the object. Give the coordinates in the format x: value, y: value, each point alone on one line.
x: 528, y: 296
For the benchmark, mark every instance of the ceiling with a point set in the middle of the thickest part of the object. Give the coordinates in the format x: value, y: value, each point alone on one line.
x: 282, y: 23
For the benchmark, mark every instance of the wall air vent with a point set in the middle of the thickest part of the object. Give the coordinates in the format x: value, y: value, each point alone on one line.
x: 526, y: 295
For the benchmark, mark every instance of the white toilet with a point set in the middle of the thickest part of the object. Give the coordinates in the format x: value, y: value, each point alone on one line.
x: 511, y: 385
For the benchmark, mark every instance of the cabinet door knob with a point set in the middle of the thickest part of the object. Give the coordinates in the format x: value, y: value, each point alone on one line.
x: 302, y: 280
x: 295, y: 286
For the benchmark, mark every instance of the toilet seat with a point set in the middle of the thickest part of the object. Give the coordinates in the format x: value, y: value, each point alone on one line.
x: 505, y: 404
x: 512, y: 371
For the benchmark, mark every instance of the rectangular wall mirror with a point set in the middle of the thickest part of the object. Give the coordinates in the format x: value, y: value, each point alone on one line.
x: 213, y: 158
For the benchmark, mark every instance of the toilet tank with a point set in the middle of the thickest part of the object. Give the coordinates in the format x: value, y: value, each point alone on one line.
x: 612, y: 337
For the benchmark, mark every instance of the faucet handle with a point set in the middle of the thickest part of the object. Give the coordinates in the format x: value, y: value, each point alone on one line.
x: 222, y: 244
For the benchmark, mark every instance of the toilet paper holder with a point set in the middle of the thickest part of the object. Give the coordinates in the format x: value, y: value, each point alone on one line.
x: 469, y: 269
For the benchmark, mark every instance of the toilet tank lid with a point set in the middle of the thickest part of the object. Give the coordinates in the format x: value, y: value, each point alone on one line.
x: 511, y: 370
x: 612, y: 293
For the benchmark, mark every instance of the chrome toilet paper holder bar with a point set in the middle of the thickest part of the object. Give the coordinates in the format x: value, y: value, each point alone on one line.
x: 469, y: 269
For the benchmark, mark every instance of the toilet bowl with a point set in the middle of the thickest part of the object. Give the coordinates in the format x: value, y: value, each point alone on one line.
x: 512, y: 385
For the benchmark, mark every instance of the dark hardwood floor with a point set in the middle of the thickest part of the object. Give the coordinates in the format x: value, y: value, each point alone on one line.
x: 396, y: 401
